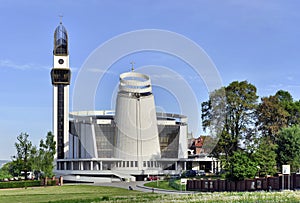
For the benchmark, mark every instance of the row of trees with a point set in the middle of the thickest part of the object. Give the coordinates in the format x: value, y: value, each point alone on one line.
x: 32, y: 158
x: 254, y: 138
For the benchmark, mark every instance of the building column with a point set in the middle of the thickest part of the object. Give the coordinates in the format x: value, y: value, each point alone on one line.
x: 212, y: 166
x: 176, y: 166
x: 91, y: 165
x: 65, y: 165
x: 101, y: 166
x: 72, y: 165
x: 81, y: 165
x: 184, y: 166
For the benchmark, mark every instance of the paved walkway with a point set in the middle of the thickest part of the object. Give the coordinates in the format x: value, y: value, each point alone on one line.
x: 139, y: 185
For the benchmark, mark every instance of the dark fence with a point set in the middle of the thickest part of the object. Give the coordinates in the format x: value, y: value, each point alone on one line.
x: 291, y: 182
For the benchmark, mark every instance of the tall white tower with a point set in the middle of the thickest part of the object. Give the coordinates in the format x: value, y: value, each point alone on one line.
x: 60, y: 75
x: 137, y: 137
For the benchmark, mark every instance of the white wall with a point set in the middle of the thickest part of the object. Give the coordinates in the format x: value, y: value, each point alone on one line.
x: 182, y: 151
x: 137, y: 133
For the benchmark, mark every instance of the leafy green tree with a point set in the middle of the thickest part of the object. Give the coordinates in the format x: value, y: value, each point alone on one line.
x: 5, y: 171
x: 242, y: 166
x: 31, y: 158
x: 237, y: 129
x: 288, y: 151
x: 214, y: 119
x: 24, y: 152
x: 241, y: 105
x: 284, y: 96
x: 265, y: 156
x: 271, y: 117
x: 233, y: 115
x: 46, y: 154
x: 293, y: 108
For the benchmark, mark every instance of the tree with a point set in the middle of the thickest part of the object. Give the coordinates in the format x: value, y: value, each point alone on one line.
x: 242, y: 166
x: 284, y: 96
x: 24, y: 151
x: 237, y: 128
x: 46, y: 154
x: 265, y: 156
x: 5, y: 171
x: 214, y: 119
x: 293, y: 108
x: 271, y: 117
x: 232, y: 115
x: 288, y: 151
x: 30, y: 157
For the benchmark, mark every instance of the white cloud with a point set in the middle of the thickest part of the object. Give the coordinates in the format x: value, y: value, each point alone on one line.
x: 5, y: 63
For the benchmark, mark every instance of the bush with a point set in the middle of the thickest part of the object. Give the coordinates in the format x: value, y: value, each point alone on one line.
x: 174, y: 184
x: 20, y: 184
x: 51, y: 182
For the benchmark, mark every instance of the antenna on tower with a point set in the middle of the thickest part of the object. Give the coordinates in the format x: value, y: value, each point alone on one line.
x: 132, y: 66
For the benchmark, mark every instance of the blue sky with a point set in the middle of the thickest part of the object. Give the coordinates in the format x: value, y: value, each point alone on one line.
x: 253, y: 40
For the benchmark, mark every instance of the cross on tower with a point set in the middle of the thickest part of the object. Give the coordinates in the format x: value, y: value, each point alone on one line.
x: 132, y: 65
x: 60, y: 18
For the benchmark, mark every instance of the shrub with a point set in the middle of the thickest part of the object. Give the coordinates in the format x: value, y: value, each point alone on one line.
x: 174, y: 184
x: 51, y: 182
x: 20, y: 184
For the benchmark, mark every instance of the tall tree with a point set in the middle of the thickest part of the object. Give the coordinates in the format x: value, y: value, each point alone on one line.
x: 292, y: 108
x: 284, y: 96
x: 277, y: 112
x: 265, y: 156
x: 24, y: 151
x: 30, y: 157
x: 239, y: 115
x: 271, y: 117
x: 214, y: 119
x: 46, y: 154
x: 288, y: 151
x: 236, y: 117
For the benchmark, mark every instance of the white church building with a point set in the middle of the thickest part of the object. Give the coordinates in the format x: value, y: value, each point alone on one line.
x: 131, y: 142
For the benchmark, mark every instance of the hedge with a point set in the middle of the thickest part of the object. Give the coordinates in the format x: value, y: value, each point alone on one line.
x: 20, y: 184
x: 176, y: 185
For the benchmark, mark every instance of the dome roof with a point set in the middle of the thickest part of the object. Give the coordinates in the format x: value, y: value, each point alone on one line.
x: 60, y: 40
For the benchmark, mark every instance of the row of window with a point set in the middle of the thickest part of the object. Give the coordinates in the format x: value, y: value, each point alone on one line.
x: 168, y: 139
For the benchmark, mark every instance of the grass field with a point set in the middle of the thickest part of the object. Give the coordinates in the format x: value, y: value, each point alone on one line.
x: 160, y: 184
x: 64, y: 193
x: 89, y: 193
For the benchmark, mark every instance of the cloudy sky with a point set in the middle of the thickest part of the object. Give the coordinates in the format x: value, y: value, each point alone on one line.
x: 256, y: 40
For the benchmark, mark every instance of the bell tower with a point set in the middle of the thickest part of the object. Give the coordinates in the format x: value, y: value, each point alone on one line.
x: 60, y: 76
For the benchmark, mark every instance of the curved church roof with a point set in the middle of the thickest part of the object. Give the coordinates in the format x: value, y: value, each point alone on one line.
x: 60, y: 40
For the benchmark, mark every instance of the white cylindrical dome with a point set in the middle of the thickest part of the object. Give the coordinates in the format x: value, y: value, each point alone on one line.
x: 137, y: 133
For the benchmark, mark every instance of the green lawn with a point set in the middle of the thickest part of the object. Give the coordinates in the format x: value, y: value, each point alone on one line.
x: 160, y: 184
x: 89, y: 193
x: 67, y: 192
